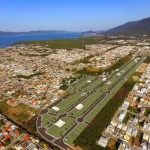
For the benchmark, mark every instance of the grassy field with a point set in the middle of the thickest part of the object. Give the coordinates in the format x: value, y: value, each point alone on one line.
x: 47, y: 119
x: 98, y: 108
x: 59, y: 131
x: 80, y: 85
x: 93, y: 85
x: 19, y: 113
x: 87, y: 103
x: 75, y: 133
x: 67, y: 103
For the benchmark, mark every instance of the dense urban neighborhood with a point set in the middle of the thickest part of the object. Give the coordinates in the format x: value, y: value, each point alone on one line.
x: 130, y: 124
x: 50, y: 98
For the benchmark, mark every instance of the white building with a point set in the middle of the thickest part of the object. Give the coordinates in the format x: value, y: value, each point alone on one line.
x: 103, y: 141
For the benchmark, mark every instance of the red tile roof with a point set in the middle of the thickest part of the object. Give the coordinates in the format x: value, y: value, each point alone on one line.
x: 1, y: 145
x: 8, y: 136
x: 17, y: 131
x: 7, y: 128
x: 26, y: 137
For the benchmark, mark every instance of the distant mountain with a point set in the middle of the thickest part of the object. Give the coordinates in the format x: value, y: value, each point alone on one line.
x: 140, y: 27
x: 3, y: 33
x: 88, y: 32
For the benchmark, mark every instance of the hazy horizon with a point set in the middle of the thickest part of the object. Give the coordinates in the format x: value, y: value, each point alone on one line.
x: 77, y: 16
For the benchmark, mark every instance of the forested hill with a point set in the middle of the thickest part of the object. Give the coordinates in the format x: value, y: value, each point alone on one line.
x: 140, y: 27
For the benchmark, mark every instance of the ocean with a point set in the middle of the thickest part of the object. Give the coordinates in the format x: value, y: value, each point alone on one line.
x: 8, y: 40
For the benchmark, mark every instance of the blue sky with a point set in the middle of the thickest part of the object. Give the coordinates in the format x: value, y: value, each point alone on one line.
x: 71, y: 15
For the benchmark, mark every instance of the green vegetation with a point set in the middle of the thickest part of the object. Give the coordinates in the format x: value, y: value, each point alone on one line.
x: 134, y: 28
x: 1, y: 123
x: 30, y: 76
x: 88, y: 72
x: 75, y: 132
x: 6, y: 141
x: 138, y: 99
x: 56, y: 148
x: 147, y: 60
x: 63, y: 87
x: 113, y: 67
x: 133, y: 140
x: 31, y: 126
x: 59, y: 131
x: 147, y: 112
x: 19, y: 113
x: 66, y: 43
x: 34, y: 55
x: 84, y: 60
x: 100, y: 122
x: 66, y: 81
x: 120, y: 63
x: 3, y: 106
x: 70, y: 101
x: 116, y: 146
x: 126, y: 118
x: 47, y: 119
x: 140, y: 124
x: 23, y: 116
x: 10, y: 59
x: 132, y: 109
x: 87, y: 103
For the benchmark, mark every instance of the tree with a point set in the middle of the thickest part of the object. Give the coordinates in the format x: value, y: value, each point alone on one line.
x: 67, y: 69
x: 56, y: 148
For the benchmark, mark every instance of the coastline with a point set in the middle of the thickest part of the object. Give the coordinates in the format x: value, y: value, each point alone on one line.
x: 6, y: 41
